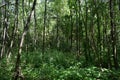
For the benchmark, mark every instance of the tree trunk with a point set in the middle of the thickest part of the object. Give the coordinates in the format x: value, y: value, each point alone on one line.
x: 113, y: 34
x: 44, y: 28
x: 14, y: 30
x: 4, y: 29
x: 26, y: 28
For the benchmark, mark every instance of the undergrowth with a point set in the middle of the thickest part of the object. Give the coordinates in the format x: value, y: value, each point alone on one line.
x: 55, y: 65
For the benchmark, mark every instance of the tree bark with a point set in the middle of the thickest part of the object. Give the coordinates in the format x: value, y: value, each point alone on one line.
x: 113, y: 34
x: 5, y: 25
x: 26, y: 28
x: 14, y: 30
x: 44, y: 28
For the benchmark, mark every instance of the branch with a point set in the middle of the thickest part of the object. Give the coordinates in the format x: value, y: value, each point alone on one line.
x: 3, y: 5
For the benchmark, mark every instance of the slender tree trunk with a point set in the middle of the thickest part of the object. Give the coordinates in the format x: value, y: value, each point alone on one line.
x: 77, y: 29
x: 119, y: 4
x: 86, y: 32
x: 57, y: 32
x: 92, y: 37
x: 35, y: 33
x: 44, y: 28
x: 14, y: 30
x: 71, y: 16
x: 80, y: 29
x: 0, y: 28
x: 26, y: 28
x: 98, y: 33
x: 4, y: 29
x: 113, y: 34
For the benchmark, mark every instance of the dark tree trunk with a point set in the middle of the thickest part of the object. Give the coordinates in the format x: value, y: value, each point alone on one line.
x: 35, y: 32
x: 86, y: 32
x: 113, y: 34
x: 71, y: 20
x: 44, y: 28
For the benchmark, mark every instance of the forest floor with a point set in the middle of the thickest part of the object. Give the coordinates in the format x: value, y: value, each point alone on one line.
x: 56, y: 65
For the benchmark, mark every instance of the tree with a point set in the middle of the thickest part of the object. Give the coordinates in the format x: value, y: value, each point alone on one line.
x: 45, y: 17
x: 113, y: 33
x: 26, y: 28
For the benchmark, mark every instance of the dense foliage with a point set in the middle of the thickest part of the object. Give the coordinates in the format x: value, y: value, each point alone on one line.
x: 55, y: 65
x: 59, y: 40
